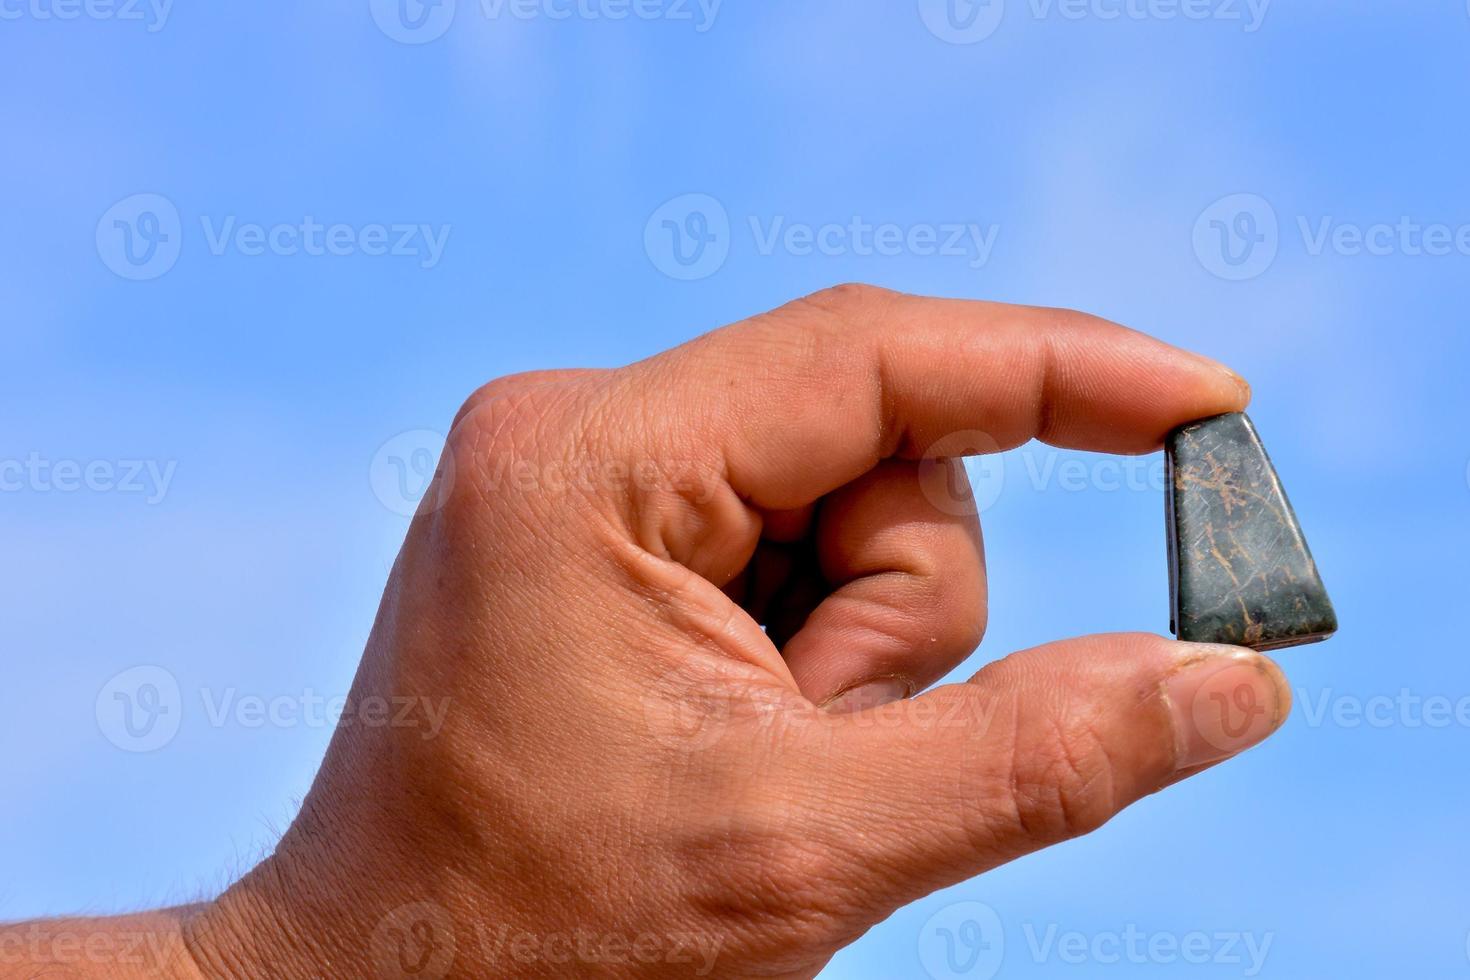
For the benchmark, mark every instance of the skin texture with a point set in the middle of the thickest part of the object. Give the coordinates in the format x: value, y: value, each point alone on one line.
x: 632, y: 778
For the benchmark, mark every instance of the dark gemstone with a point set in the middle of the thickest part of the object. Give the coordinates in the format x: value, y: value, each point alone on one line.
x: 1239, y: 568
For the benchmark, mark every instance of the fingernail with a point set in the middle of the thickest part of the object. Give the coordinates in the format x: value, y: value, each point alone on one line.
x: 1236, y: 381
x: 870, y: 695
x: 1239, y: 382
x: 1223, y: 700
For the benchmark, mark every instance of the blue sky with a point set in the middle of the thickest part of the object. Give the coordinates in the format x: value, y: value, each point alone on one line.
x: 350, y: 222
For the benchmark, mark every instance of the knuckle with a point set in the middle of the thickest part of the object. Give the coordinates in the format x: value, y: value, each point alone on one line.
x: 848, y: 300
x: 1078, y: 321
x: 521, y: 409
x: 964, y: 633
x: 955, y: 612
x: 520, y: 435
x: 502, y: 392
x: 1063, y: 784
x: 817, y: 339
x: 500, y: 419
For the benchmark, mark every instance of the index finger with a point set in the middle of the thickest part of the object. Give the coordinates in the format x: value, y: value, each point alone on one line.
x: 809, y: 397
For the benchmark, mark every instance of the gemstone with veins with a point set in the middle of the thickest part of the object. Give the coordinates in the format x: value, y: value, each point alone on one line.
x: 1240, y: 570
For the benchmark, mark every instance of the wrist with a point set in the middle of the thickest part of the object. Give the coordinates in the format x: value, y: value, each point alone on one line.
x: 125, y: 947
x: 254, y: 930
x: 336, y: 901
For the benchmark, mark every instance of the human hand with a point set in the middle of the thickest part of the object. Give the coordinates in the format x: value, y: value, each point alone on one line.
x: 632, y: 778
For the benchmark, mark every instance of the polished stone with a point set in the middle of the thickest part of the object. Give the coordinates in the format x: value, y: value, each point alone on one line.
x: 1240, y: 570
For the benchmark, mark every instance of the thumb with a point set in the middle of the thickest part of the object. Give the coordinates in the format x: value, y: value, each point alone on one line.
x: 1040, y: 747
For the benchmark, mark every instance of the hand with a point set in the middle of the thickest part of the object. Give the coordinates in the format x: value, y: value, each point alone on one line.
x: 630, y: 777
